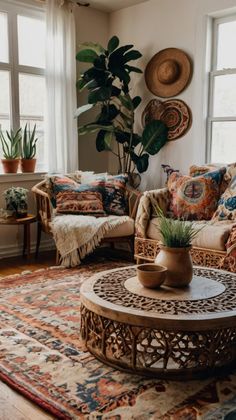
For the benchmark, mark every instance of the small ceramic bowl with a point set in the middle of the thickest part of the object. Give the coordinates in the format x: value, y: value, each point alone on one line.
x: 151, y: 275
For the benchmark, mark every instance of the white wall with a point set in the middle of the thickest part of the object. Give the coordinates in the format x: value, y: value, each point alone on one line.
x: 91, y: 25
x: 159, y: 24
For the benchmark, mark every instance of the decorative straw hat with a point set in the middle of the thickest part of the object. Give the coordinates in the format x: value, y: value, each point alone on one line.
x: 168, y: 72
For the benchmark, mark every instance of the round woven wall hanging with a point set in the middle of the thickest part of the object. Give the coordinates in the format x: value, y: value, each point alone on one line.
x: 174, y: 113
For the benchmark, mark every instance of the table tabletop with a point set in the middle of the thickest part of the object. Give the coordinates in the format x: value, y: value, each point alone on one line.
x: 30, y: 218
x: 209, y: 300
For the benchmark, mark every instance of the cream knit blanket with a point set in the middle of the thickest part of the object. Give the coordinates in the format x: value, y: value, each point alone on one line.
x: 76, y: 236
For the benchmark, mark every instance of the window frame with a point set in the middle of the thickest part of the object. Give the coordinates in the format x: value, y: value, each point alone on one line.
x: 13, y: 9
x: 213, y: 73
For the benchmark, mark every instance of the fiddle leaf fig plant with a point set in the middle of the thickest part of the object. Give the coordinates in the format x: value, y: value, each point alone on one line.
x: 107, y: 82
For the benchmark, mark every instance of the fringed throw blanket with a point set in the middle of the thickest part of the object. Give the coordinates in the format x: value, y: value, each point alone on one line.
x: 76, y: 236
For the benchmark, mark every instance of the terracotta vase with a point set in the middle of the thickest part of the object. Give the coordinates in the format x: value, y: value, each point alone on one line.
x: 179, y: 265
x: 27, y: 165
x: 10, y: 166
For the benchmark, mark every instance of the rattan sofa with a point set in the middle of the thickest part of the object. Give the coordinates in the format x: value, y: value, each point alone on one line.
x: 215, y: 246
x: 123, y: 233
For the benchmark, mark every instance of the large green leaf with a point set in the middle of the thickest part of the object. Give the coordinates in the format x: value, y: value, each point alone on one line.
x: 83, y: 109
x: 154, y: 136
x: 108, y: 114
x: 134, y: 69
x: 99, y: 95
x: 92, y: 46
x: 86, y: 56
x: 113, y: 44
x: 126, y: 101
x: 104, y: 141
x: 142, y: 163
x: 122, y: 137
x: 100, y: 62
x: 92, y: 128
x: 136, y: 101
x: 132, y: 55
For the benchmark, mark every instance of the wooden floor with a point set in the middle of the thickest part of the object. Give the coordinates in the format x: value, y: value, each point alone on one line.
x: 12, y: 405
x: 15, y: 265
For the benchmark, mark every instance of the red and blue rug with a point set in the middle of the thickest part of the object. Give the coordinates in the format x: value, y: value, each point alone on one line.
x: 42, y: 357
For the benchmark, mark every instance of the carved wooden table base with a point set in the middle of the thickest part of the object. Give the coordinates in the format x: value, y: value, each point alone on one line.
x: 162, y: 332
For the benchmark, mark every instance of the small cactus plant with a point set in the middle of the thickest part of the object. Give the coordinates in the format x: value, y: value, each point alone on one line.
x: 29, y: 140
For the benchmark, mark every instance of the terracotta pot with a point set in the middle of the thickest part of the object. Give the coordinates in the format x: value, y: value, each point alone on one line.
x: 10, y: 166
x: 179, y: 265
x: 27, y: 165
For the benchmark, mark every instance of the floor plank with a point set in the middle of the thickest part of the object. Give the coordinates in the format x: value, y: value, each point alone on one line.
x: 15, y: 407
x: 15, y: 265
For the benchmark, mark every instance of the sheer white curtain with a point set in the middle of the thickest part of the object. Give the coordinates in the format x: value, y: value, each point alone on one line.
x: 61, y: 129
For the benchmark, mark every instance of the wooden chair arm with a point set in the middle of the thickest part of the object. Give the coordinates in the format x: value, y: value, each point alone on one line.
x: 133, y: 200
x: 43, y: 205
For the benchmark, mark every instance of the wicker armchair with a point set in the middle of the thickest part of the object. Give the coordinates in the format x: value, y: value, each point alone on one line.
x: 45, y: 213
x: 214, y: 247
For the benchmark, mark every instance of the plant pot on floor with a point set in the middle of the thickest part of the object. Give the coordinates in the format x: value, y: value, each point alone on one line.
x: 10, y: 166
x: 27, y: 165
x: 179, y: 265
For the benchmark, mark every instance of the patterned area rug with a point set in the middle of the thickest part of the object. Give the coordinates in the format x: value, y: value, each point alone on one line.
x: 41, y: 356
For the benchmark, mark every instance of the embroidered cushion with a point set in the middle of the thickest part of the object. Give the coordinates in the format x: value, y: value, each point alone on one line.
x: 74, y: 202
x: 226, y: 209
x: 115, y: 200
x: 195, y: 198
x: 195, y: 170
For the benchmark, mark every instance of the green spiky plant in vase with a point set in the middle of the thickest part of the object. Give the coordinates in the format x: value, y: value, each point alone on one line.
x: 10, y: 143
x: 28, y: 149
x: 107, y: 81
x: 175, y: 246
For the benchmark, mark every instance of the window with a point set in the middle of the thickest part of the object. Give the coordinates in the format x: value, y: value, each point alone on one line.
x: 222, y: 101
x: 22, y: 64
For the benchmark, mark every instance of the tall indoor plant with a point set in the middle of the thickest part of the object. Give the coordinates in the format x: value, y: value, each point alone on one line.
x: 10, y: 142
x: 108, y: 83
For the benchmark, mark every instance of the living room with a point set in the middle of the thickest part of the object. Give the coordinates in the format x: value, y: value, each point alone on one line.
x: 148, y: 182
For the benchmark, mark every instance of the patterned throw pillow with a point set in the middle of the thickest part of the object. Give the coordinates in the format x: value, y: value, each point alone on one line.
x: 111, y: 188
x: 74, y: 202
x: 115, y: 200
x: 195, y: 198
x: 226, y: 209
x: 195, y: 170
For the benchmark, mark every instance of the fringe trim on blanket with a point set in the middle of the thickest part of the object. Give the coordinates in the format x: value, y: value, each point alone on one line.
x: 74, y: 257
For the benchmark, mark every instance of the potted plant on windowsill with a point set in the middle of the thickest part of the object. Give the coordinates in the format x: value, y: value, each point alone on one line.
x: 108, y: 84
x: 11, y: 150
x: 176, y: 244
x: 28, y: 149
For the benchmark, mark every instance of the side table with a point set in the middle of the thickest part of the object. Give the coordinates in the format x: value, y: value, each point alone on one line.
x: 25, y: 222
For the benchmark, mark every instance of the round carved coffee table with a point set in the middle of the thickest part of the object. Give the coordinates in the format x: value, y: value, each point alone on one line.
x: 166, y: 332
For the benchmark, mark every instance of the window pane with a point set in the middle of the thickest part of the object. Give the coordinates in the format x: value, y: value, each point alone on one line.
x: 226, y: 56
x: 32, y: 97
x: 224, y: 96
x: 4, y: 57
x: 223, y: 148
x: 4, y: 100
x: 31, y: 41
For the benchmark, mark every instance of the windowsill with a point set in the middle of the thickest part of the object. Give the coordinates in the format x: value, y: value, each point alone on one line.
x: 19, y: 177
